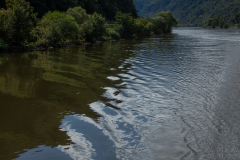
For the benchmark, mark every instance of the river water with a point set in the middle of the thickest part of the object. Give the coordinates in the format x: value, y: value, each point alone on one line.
x: 167, y: 97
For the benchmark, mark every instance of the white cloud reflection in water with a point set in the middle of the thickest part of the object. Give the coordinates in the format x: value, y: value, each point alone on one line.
x: 81, y: 149
x: 166, y: 105
x: 167, y: 102
x: 126, y: 130
x: 113, y: 127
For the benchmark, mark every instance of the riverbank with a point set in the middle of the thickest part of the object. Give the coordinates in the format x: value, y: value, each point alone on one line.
x: 30, y: 48
x: 75, y: 26
x: 19, y: 49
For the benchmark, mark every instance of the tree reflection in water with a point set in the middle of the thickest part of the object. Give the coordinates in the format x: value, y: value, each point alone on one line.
x: 40, y: 89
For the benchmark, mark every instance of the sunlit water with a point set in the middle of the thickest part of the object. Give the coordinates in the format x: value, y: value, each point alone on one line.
x: 167, y: 97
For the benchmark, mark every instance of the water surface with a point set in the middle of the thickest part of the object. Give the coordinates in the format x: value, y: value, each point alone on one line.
x: 167, y: 97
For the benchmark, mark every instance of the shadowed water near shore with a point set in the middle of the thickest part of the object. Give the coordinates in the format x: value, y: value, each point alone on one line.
x: 167, y: 97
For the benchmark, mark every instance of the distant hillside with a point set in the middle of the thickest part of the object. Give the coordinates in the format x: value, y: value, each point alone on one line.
x: 107, y: 8
x: 194, y: 12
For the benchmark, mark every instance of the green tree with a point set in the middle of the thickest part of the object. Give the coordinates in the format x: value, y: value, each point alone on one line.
x: 57, y: 27
x: 107, y: 8
x: 212, y: 22
x: 79, y: 14
x: 17, y: 22
x: 143, y: 27
x: 236, y: 19
x: 168, y: 19
x: 84, y: 21
x: 112, y: 33
x: 98, y: 28
x: 159, y: 24
x: 221, y: 24
x: 3, y: 46
x: 163, y: 22
x: 127, y: 6
x: 125, y: 25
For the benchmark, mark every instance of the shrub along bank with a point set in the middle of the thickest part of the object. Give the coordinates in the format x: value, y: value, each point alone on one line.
x: 3, y: 46
x: 215, y: 23
x: 20, y: 27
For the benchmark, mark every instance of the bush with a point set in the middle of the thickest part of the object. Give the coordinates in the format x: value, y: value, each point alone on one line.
x: 79, y: 14
x: 226, y: 26
x: 17, y: 22
x: 159, y: 24
x: 57, y: 27
x: 212, y: 23
x: 2, y: 22
x: 215, y: 22
x: 112, y: 33
x: 125, y: 25
x: 84, y: 21
x: 163, y: 22
x: 98, y: 28
x: 221, y: 24
x: 92, y: 27
x: 167, y: 21
x: 3, y: 45
x: 143, y: 27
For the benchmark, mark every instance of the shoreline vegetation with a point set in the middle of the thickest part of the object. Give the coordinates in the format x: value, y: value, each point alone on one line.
x: 20, y: 29
x: 221, y: 21
x: 193, y: 13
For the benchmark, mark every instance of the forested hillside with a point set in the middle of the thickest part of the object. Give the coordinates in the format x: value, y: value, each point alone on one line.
x: 108, y: 8
x: 191, y: 12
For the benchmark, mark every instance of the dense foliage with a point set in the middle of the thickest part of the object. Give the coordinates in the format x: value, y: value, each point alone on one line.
x: 191, y: 12
x: 166, y: 21
x: 144, y: 27
x: 215, y: 22
x: 99, y: 29
x: 16, y: 22
x: 19, y: 26
x: 57, y: 27
x: 107, y: 8
x: 128, y: 27
x: 125, y: 25
x: 235, y: 19
x: 84, y: 20
x: 3, y: 45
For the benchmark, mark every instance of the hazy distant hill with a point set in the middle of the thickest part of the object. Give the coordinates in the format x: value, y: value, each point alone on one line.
x: 190, y: 11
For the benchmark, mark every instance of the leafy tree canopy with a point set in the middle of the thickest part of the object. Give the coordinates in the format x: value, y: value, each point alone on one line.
x: 107, y: 8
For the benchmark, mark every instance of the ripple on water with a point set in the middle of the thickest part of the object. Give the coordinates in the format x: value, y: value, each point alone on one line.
x: 152, y: 98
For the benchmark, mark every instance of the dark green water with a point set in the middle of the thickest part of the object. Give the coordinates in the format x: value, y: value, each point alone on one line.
x: 168, y: 97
